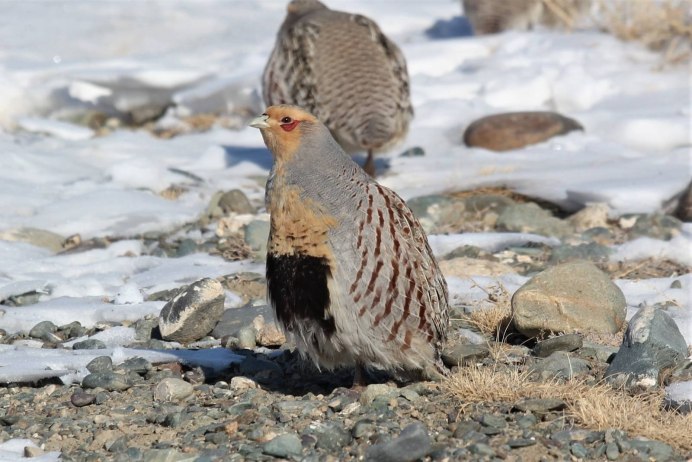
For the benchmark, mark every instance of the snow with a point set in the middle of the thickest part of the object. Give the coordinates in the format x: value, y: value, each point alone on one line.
x: 13, y: 451
x: 56, y: 174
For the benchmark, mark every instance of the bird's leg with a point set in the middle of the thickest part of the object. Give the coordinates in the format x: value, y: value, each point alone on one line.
x: 359, y: 378
x: 369, y: 166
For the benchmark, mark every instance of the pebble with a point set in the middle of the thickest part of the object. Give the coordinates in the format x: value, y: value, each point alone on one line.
x: 81, y: 398
x: 137, y: 365
x: 561, y: 365
x: 256, y: 235
x: 235, y: 201
x: 89, y: 344
x: 247, y: 337
x: 43, y: 330
x: 412, y: 444
x: 192, y: 313
x: 541, y: 406
x: 33, y: 451
x: 464, y: 354
x: 240, y: 383
x: 172, y: 389
x: 567, y: 342
x: 331, y: 436
x: 374, y: 390
x: 107, y: 380
x: 530, y: 218
x: 520, y: 443
x: 285, y: 445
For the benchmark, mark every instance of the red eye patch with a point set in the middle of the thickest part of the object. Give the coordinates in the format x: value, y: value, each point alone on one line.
x: 290, y: 126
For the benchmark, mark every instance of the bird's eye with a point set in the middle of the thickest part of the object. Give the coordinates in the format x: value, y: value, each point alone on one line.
x: 286, y: 120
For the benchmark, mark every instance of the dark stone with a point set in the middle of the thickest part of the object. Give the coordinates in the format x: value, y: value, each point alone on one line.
x: 138, y: 365
x: 234, y: 319
x: 89, y: 344
x: 331, y: 436
x: 100, y: 364
x: 541, y: 406
x: 286, y: 445
x: 43, y: 329
x: 514, y: 130
x: 412, y: 444
x: 683, y: 211
x: 107, y: 380
x: 192, y: 313
x: 590, y: 251
x: 81, y: 398
x: 520, y: 443
x: 297, y: 286
x: 567, y: 342
x: 651, y: 344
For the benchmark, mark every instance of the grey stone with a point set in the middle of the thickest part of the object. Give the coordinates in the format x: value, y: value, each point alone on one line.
x: 234, y: 319
x: 100, y: 364
x: 528, y: 420
x: 515, y: 130
x: 415, y: 151
x: 530, y: 218
x: 72, y: 330
x: 490, y: 420
x: 602, y: 353
x: 481, y: 449
x: 362, y: 428
x: 43, y: 329
x: 247, y: 337
x: 285, y: 445
x: 612, y: 451
x: 412, y: 444
x: 172, y: 389
x: 656, y: 450
x: 166, y: 455
x: 561, y: 365
x: 145, y: 327
x: 520, y: 443
x: 571, y: 297
x: 540, y: 406
x: 590, y: 251
x: 137, y: 364
x: 89, y: 344
x: 256, y: 235
x: 107, y: 380
x: 567, y: 342
x: 656, y: 226
x: 185, y: 247
x: 578, y: 450
x: 331, y: 436
x: 464, y: 354
x: 652, y: 343
x: 81, y: 398
x: 375, y: 390
x: 235, y: 201
x: 676, y: 284
x: 192, y: 313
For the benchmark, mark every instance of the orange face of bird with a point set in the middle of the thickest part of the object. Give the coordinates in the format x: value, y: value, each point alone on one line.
x: 281, y: 128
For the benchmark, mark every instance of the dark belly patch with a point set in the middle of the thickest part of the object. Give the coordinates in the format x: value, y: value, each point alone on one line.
x: 297, y: 286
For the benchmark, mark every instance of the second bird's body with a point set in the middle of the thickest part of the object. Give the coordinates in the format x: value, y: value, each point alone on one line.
x: 349, y: 269
x: 344, y: 70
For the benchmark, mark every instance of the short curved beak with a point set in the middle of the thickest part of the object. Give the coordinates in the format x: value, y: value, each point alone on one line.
x: 260, y: 122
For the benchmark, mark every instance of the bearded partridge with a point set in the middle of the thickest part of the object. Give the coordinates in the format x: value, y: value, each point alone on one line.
x: 493, y: 16
x: 350, y: 273
x: 342, y: 68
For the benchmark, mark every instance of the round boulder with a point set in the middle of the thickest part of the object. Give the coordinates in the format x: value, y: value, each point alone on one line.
x: 571, y: 297
x: 514, y: 130
x: 192, y: 313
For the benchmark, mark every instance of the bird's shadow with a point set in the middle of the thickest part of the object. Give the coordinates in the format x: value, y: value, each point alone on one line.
x: 458, y: 26
x: 238, y: 154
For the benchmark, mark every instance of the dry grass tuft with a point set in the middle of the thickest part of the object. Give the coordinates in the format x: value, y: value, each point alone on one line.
x: 663, y: 25
x: 593, y: 406
x: 494, y: 321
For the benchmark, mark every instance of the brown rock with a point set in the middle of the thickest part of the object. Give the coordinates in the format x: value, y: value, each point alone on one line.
x: 684, y: 209
x: 514, y: 130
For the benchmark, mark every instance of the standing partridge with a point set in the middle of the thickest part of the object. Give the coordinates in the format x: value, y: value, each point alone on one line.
x: 350, y: 273
x: 342, y: 68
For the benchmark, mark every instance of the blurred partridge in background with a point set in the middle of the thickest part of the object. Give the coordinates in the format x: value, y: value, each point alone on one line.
x: 493, y: 16
x: 350, y: 273
x: 344, y: 70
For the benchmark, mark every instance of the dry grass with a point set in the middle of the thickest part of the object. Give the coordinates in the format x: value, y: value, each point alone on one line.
x: 664, y: 25
x: 593, y: 406
x: 495, y: 320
